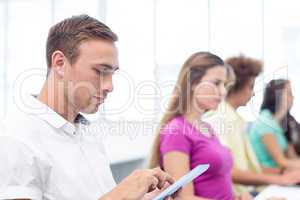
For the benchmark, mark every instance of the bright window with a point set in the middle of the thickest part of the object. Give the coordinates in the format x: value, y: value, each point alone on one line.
x: 155, y: 38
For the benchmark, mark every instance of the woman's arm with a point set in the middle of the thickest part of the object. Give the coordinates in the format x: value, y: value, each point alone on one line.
x: 177, y: 164
x: 278, y: 156
x: 252, y: 178
x: 271, y: 170
x: 247, y: 177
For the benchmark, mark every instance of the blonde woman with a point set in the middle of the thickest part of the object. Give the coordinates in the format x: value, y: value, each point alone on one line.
x: 184, y: 141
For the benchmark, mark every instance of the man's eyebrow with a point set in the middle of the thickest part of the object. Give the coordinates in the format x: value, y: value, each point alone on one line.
x: 108, y: 66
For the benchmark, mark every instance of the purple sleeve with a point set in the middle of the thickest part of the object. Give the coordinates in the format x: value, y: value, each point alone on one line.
x: 172, y: 138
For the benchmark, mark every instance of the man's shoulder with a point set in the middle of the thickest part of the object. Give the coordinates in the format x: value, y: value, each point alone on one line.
x: 20, y: 124
x: 23, y: 134
x: 15, y: 147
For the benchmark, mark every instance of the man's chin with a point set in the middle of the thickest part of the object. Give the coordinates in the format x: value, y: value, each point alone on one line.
x: 90, y: 110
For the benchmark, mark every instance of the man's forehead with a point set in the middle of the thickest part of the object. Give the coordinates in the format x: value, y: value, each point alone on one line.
x: 99, y: 48
x: 99, y: 52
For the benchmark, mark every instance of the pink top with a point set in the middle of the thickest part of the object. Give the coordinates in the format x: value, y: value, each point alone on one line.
x: 180, y: 135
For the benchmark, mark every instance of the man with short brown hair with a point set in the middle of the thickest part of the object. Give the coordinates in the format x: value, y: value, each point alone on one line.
x: 47, y: 152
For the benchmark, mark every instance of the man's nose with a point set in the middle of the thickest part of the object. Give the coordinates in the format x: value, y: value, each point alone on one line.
x: 108, y: 84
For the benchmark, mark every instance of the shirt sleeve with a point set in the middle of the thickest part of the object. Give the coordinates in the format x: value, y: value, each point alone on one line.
x: 172, y: 138
x: 19, y: 173
x: 266, y: 127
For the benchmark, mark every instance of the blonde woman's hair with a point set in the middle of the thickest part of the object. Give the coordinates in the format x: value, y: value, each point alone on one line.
x: 191, y: 73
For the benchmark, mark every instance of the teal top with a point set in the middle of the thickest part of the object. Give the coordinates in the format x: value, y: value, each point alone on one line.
x: 266, y: 124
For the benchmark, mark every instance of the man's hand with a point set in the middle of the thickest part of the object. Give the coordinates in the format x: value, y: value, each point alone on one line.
x: 138, y: 184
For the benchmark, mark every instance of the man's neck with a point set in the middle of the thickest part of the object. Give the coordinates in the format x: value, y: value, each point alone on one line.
x: 53, y: 95
x: 233, y: 101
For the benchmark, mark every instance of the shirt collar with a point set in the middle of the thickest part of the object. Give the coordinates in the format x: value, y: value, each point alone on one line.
x: 44, y: 112
x: 80, y: 119
x: 230, y: 111
x: 228, y: 106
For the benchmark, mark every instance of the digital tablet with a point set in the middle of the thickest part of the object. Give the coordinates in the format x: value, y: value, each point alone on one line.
x: 194, y: 173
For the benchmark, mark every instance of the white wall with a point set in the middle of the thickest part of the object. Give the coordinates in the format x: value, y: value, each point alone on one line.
x: 156, y: 36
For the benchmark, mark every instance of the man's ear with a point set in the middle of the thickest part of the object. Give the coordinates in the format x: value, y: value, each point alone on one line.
x: 58, y: 63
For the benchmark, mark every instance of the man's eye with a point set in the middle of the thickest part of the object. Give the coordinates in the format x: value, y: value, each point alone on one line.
x: 103, y: 71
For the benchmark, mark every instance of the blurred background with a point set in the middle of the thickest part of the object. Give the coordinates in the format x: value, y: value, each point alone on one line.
x: 155, y: 38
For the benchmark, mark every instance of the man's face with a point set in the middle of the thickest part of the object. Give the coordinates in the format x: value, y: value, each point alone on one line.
x: 89, y: 79
x: 246, y: 93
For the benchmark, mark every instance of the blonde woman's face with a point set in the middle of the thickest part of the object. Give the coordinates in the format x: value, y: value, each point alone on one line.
x: 210, y: 91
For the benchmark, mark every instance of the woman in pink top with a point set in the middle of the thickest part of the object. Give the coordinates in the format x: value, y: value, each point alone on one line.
x: 184, y: 141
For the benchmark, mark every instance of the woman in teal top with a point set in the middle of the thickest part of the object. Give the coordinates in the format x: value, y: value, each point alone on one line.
x: 267, y: 133
x: 266, y: 124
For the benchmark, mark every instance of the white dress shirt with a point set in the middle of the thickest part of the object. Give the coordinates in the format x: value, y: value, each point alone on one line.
x: 43, y: 156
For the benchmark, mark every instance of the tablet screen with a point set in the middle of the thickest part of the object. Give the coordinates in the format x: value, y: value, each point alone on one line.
x: 194, y: 173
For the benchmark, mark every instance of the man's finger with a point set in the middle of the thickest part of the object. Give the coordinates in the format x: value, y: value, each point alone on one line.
x: 154, y: 181
x: 163, y: 177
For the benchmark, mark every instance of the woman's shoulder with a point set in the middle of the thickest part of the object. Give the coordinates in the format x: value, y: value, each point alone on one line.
x: 264, y: 117
x: 175, y: 123
x: 266, y: 113
x: 265, y: 123
x: 177, y: 120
